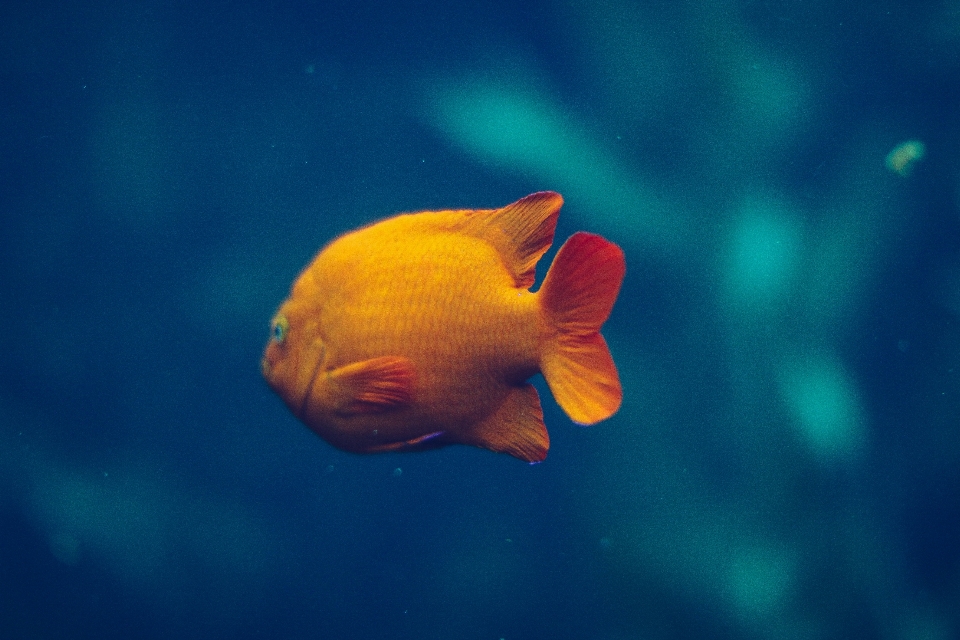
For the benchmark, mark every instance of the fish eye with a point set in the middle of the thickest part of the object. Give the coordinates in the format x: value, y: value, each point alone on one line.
x: 279, y: 328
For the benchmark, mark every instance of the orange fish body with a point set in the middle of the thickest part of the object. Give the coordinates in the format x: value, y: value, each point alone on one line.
x: 420, y: 331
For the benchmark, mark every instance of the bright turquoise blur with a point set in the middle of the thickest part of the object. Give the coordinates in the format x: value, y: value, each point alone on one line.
x: 785, y: 463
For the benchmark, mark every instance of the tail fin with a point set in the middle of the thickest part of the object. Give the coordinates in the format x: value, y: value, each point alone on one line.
x: 576, y: 297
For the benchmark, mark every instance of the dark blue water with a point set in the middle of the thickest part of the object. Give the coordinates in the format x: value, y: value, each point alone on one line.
x: 786, y: 462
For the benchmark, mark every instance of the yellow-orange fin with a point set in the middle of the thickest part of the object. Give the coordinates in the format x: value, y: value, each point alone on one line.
x: 516, y: 427
x: 577, y: 296
x: 375, y: 385
x: 521, y: 232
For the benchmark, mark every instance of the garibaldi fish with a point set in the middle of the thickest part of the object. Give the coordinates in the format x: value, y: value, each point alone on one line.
x: 420, y: 331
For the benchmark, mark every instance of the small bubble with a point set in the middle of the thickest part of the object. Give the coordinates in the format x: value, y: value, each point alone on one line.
x: 397, y: 472
x: 329, y: 468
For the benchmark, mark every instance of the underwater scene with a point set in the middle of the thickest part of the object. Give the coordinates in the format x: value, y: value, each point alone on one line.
x: 427, y: 437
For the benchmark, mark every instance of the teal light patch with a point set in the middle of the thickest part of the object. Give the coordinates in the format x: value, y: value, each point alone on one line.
x: 826, y: 408
x: 761, y: 582
x: 772, y: 99
x: 763, y: 254
x: 518, y: 126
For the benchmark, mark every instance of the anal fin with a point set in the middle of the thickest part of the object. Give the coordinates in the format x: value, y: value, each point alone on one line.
x: 516, y: 427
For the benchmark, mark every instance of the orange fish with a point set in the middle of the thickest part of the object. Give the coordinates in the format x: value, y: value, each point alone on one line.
x: 421, y: 331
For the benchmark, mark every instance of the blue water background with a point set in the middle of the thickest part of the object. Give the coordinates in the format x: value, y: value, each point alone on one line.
x: 786, y: 463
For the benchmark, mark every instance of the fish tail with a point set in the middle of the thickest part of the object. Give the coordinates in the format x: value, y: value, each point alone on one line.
x: 576, y: 298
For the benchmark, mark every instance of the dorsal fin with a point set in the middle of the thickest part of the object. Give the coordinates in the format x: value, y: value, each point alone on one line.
x: 521, y: 232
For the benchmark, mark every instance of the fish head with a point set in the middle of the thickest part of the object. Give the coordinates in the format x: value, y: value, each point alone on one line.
x: 293, y: 356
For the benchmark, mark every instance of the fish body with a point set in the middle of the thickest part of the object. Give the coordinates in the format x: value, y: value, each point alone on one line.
x: 421, y: 330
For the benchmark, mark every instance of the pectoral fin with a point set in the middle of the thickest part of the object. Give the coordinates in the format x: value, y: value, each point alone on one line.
x: 375, y: 385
